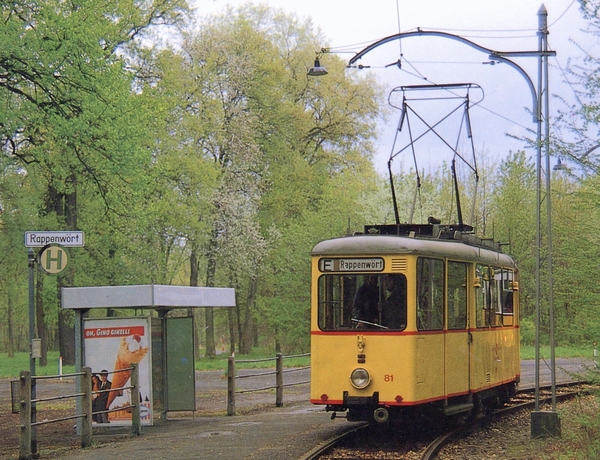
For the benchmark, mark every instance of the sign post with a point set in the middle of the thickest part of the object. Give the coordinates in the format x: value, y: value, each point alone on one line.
x: 33, y: 416
x: 52, y: 259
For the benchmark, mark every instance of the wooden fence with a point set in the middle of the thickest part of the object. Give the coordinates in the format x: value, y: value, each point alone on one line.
x: 28, y: 407
x: 278, y: 373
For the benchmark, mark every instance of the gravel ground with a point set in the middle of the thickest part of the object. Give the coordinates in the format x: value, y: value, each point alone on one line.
x: 510, y: 436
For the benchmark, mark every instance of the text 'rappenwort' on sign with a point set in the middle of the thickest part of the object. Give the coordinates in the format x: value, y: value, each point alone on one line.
x: 41, y: 239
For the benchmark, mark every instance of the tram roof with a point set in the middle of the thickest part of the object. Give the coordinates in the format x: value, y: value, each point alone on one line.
x: 387, y: 244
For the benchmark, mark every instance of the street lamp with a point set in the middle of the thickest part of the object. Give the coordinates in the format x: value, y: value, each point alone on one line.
x: 560, y: 166
x: 543, y: 423
x: 317, y: 70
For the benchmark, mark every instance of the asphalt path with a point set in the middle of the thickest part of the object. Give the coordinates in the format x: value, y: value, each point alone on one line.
x: 566, y: 370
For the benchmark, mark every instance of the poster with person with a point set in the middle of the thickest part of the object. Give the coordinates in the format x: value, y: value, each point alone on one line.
x: 111, y: 346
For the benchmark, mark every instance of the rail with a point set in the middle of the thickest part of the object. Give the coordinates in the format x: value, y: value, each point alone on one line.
x: 28, y: 407
x: 278, y: 372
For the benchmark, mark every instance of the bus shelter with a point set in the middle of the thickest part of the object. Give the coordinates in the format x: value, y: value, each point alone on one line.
x: 161, y: 345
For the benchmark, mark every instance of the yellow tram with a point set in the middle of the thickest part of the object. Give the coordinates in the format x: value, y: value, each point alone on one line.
x: 408, y: 318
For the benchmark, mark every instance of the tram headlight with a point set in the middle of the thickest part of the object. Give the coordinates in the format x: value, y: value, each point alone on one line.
x: 360, y: 378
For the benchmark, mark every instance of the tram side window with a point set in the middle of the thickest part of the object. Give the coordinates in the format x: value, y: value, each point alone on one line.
x: 504, y: 280
x: 457, y: 295
x: 494, y: 296
x: 430, y: 294
x: 494, y: 307
x: 482, y: 296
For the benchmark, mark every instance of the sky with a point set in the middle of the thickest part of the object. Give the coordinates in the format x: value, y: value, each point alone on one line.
x: 501, y: 25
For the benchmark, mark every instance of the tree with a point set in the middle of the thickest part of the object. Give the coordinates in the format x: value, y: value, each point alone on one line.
x: 514, y: 220
x: 279, y: 141
x: 575, y: 200
x: 575, y: 258
x: 71, y: 118
x: 18, y: 205
x: 577, y: 123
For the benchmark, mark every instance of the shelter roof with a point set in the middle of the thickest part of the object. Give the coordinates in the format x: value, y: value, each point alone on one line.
x: 146, y: 296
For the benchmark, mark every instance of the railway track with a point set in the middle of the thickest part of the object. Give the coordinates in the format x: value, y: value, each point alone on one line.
x: 422, y: 446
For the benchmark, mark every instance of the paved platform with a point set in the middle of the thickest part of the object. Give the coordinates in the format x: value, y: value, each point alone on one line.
x: 277, y: 434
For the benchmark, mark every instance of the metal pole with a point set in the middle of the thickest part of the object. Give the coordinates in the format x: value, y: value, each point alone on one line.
x: 279, y: 380
x: 231, y: 385
x: 136, y: 420
x: 86, y: 402
x: 544, y: 36
x: 79, y: 354
x: 538, y: 236
x: 544, y: 423
x: 31, y: 264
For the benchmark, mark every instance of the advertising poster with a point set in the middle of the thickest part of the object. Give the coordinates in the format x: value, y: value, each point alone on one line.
x: 113, y: 344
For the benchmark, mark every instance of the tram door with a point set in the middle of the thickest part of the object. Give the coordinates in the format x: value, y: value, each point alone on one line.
x: 457, y: 341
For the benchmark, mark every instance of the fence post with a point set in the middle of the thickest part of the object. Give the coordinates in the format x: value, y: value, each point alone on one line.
x: 25, y: 395
x: 279, y: 380
x: 231, y: 385
x: 136, y: 421
x: 86, y: 404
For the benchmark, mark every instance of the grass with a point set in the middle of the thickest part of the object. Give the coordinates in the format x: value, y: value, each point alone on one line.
x: 219, y: 362
x: 11, y: 367
x: 528, y: 352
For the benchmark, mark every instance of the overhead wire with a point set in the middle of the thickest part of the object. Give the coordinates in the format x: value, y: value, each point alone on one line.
x: 353, y: 47
x: 419, y: 75
x: 411, y: 66
x: 563, y: 13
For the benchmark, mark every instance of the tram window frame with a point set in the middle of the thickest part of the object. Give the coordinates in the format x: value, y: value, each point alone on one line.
x: 495, y: 315
x: 335, y: 312
x: 336, y: 294
x: 482, y: 301
x: 431, y: 284
x: 495, y: 287
x: 506, y: 296
x: 457, y: 295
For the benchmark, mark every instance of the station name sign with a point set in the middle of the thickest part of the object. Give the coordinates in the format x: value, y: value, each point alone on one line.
x: 41, y: 239
x: 374, y: 264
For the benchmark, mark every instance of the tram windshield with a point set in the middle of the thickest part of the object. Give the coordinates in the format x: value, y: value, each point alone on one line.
x: 362, y: 301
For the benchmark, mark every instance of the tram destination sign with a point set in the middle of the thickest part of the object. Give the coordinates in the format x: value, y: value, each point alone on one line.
x: 374, y: 264
x: 41, y: 239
